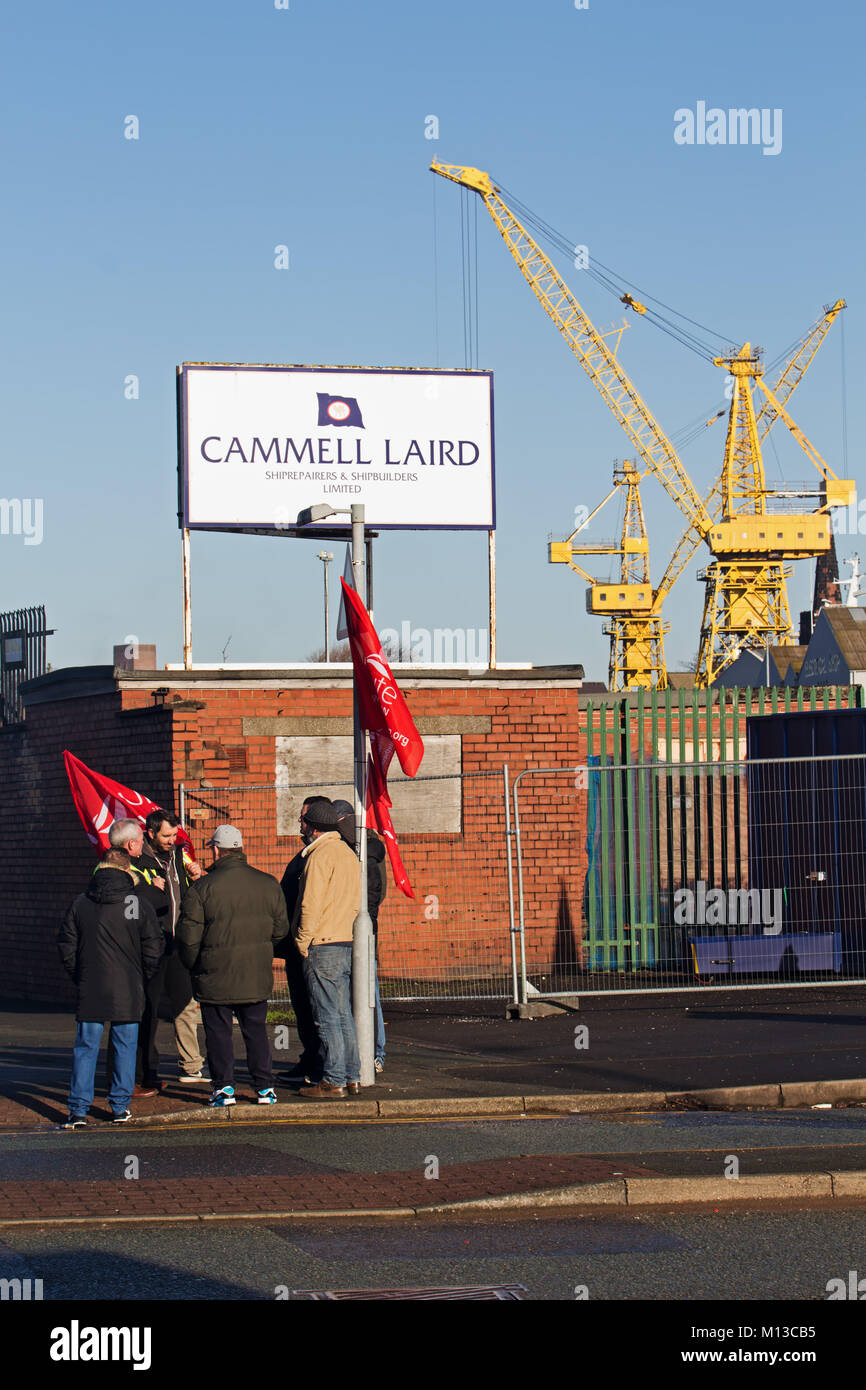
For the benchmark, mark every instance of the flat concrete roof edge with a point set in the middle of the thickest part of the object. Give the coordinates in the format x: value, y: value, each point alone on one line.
x: 73, y: 682
x: 342, y: 671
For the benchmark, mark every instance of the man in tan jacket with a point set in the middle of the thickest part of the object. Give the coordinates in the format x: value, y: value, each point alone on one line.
x: 322, y: 928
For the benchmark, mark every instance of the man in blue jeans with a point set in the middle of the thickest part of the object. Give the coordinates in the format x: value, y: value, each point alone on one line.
x: 377, y: 880
x: 110, y: 943
x: 322, y: 929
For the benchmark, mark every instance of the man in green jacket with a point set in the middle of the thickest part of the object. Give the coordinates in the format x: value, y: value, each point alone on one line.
x: 230, y: 921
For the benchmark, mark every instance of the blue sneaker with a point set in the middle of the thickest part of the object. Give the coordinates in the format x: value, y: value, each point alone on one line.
x: 224, y: 1096
x: 267, y: 1097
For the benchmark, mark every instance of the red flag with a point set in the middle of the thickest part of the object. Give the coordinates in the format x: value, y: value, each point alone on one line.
x: 100, y: 802
x: 383, y: 710
x: 385, y: 715
x: 379, y: 818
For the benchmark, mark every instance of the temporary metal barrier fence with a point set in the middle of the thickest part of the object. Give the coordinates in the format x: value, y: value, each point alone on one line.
x: 630, y: 876
x: 457, y: 938
x: 661, y: 875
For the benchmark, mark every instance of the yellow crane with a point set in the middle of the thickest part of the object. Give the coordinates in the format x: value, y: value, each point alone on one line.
x: 636, y: 634
x: 746, y: 601
x: 789, y: 379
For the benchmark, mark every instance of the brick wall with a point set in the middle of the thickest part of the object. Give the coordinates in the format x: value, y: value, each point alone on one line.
x: 47, y: 858
x: 457, y: 927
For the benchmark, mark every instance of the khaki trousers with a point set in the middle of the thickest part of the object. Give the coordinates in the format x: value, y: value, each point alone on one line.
x: 186, y: 1037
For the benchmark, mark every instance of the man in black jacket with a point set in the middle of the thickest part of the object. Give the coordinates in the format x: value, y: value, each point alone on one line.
x: 165, y: 872
x: 230, y: 922
x: 110, y: 943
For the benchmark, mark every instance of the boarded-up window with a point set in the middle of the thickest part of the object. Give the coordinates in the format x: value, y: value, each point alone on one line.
x: 324, y: 764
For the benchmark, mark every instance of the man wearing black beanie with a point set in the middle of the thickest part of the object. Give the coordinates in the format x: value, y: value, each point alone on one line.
x: 324, y: 918
x: 308, y: 1068
x: 377, y: 882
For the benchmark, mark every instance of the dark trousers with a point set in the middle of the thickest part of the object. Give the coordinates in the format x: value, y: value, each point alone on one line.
x: 147, y: 1057
x: 308, y: 1033
x: 217, y: 1020
x: 175, y: 982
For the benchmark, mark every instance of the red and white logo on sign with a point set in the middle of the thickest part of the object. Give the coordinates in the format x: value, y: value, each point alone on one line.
x: 338, y: 410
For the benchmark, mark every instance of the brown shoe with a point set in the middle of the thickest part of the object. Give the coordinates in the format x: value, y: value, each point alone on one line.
x: 323, y: 1090
x: 140, y: 1092
x: 353, y: 1087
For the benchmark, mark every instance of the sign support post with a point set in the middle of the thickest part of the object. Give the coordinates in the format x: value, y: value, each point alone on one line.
x: 363, y: 945
x: 187, y: 602
x: 491, y: 561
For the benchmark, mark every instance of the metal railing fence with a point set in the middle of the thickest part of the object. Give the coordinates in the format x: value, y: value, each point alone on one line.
x: 23, y: 656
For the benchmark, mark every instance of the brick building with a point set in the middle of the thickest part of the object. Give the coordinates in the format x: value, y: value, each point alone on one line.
x: 239, y: 745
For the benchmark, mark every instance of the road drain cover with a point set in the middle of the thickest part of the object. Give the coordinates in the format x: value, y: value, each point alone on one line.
x: 503, y: 1293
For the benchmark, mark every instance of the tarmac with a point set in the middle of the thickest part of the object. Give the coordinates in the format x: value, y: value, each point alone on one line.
x: 461, y: 1062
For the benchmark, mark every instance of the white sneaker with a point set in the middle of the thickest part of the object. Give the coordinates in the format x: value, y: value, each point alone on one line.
x: 193, y: 1078
x: 224, y: 1096
x: 379, y: 1065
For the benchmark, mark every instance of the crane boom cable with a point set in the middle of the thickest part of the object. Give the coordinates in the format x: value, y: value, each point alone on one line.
x: 594, y: 355
x: 435, y: 275
x: 475, y: 271
x: 463, y: 211
x: 613, y: 281
x: 598, y: 361
x: 844, y: 404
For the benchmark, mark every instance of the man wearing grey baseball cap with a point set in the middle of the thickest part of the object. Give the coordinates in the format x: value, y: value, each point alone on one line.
x: 231, y: 920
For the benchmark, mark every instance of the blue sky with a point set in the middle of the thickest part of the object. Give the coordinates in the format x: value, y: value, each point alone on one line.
x: 306, y: 127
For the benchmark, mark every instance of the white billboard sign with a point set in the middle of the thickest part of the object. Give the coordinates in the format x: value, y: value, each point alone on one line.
x: 260, y: 444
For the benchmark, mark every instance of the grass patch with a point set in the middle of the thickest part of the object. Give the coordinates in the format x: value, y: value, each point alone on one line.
x: 280, y: 1014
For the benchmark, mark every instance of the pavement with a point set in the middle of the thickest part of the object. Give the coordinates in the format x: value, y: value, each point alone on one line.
x: 706, y: 1054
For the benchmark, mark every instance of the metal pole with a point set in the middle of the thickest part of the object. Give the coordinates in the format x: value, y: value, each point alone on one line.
x: 520, y: 887
x: 368, y: 542
x: 491, y: 561
x: 326, y: 557
x: 511, y: 927
x: 187, y: 603
x: 363, y: 956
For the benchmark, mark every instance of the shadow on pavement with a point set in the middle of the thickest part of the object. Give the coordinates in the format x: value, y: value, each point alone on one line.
x: 90, y: 1274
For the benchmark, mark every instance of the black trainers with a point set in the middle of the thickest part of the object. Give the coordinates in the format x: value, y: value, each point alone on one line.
x: 122, y: 1118
x: 295, y: 1073
x: 75, y: 1122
